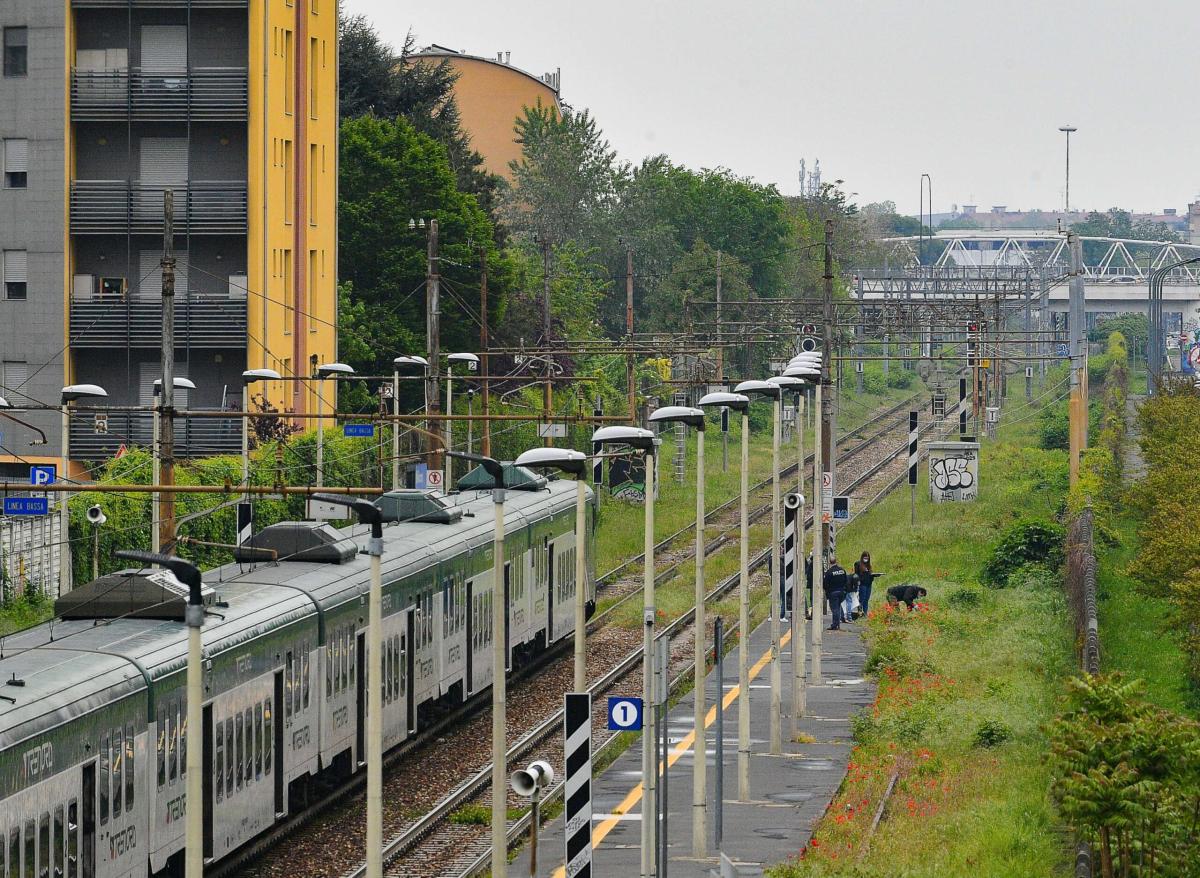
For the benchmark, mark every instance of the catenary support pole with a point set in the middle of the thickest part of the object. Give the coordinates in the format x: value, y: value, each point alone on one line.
x: 776, y: 568
x: 719, y: 798
x: 375, y: 705
x: 818, y: 564
x: 320, y: 431
x: 484, y: 361
x: 649, y: 779
x: 433, y: 344
x: 1077, y: 408
x: 166, y: 445
x: 499, y: 695
x: 194, y: 828
x: 699, y: 745
x: 797, y: 616
x: 580, y: 583
x: 743, y: 760
x: 396, y: 430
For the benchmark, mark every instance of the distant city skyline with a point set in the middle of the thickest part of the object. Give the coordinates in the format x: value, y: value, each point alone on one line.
x: 880, y: 91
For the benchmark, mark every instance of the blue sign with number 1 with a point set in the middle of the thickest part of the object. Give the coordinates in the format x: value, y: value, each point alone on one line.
x: 624, y: 714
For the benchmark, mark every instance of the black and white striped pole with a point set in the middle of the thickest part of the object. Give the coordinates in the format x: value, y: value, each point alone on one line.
x: 577, y: 786
x: 912, y: 463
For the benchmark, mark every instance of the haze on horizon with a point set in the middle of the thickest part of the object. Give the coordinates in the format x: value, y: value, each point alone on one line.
x: 879, y: 91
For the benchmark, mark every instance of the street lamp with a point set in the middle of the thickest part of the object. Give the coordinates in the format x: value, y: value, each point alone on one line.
x: 568, y: 460
x: 156, y: 462
x: 1068, y: 130
x: 499, y: 620
x: 188, y: 574
x: 811, y: 370
x: 325, y: 370
x: 368, y: 513
x: 472, y: 363
x: 774, y: 393
x: 70, y: 394
x: 409, y: 361
x: 644, y: 441
x: 250, y: 376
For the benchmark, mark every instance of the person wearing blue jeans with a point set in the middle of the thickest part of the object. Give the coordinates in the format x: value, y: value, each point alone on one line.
x: 836, y: 582
x: 866, y: 578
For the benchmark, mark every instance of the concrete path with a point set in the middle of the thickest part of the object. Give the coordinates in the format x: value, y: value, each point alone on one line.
x: 789, y: 792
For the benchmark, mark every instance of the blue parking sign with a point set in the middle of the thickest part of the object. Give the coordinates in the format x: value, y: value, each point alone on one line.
x: 43, y: 475
x: 624, y: 713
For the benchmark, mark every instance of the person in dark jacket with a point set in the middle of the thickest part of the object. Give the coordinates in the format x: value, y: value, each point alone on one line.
x: 808, y: 579
x: 866, y: 578
x: 836, y: 582
x: 906, y: 593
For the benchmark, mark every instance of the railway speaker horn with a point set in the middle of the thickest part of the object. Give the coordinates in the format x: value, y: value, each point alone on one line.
x: 793, y: 500
x: 808, y: 343
x: 527, y: 781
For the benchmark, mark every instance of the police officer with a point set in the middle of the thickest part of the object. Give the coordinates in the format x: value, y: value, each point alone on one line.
x: 836, y: 583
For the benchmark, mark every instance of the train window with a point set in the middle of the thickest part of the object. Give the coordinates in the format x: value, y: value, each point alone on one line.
x: 396, y: 667
x: 287, y: 686
x: 72, y: 839
x: 351, y: 653
x: 181, y: 707
x: 385, y: 688
x: 249, y: 714
x: 117, y: 766
x: 237, y: 749
x: 259, y: 741
x: 129, y: 766
x: 170, y: 732
x: 162, y: 745
x: 105, y: 756
x: 59, y: 842
x: 268, y: 737
x: 30, y: 852
x: 328, y: 669
x: 44, y: 846
x: 296, y: 683
x: 229, y: 757
x: 219, y: 762
x: 445, y: 608
x: 14, y: 852
x: 304, y: 669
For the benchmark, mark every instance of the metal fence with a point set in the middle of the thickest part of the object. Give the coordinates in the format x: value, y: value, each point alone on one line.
x: 29, y: 550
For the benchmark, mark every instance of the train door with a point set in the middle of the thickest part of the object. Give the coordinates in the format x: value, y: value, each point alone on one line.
x: 206, y: 754
x: 549, y: 592
x: 470, y: 639
x: 410, y: 665
x: 277, y: 747
x: 360, y: 697
x: 87, y: 822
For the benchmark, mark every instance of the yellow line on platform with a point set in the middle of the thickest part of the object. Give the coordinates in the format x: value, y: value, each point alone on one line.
x: 600, y: 832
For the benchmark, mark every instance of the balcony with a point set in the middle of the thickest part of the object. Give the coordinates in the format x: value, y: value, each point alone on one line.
x: 122, y: 207
x: 160, y: 4
x: 199, y: 94
x: 194, y: 437
x: 107, y: 322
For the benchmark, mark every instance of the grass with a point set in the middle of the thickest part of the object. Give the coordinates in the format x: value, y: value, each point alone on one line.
x: 966, y: 685
x: 23, y: 612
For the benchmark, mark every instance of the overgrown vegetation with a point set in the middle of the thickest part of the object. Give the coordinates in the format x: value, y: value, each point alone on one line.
x: 1026, y: 543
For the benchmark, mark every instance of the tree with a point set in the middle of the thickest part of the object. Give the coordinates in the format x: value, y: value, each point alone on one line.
x: 389, y: 174
x: 1117, y: 223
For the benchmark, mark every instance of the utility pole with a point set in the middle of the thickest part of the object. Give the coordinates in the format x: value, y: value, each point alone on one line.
x: 166, y: 445
x: 433, y: 347
x: 721, y: 373
x: 548, y: 387
x: 1077, y: 317
x: 826, y: 413
x: 629, y: 335
x: 484, y: 341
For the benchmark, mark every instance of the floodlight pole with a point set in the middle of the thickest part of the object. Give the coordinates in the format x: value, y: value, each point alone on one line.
x: 818, y: 566
x: 580, y: 583
x: 499, y: 693
x: 649, y: 762
x: 699, y: 745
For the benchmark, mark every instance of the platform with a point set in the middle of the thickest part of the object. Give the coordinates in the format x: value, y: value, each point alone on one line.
x: 789, y: 792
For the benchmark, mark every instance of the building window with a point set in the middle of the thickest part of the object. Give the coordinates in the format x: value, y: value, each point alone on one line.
x: 289, y: 294
x: 313, y: 189
x: 15, y: 277
x: 16, y: 51
x: 16, y: 163
x: 289, y: 72
x: 312, y: 290
x: 289, y: 183
x: 313, y: 49
x: 13, y: 376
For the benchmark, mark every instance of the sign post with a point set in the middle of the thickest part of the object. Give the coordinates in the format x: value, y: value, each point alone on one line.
x: 912, y: 464
x: 577, y: 786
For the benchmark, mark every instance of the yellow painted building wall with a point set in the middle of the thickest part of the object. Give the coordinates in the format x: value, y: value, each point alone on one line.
x: 490, y: 96
x: 292, y: 177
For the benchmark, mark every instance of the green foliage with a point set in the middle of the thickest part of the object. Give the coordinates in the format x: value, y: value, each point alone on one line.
x: 1054, y: 427
x: 1126, y: 776
x: 991, y: 733
x: 1025, y: 542
x: 965, y: 598
x: 472, y: 814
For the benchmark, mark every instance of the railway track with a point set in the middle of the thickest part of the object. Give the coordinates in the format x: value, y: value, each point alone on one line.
x: 615, y: 650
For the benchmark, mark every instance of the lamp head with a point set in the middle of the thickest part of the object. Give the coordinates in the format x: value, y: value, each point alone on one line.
x: 325, y: 370
x: 73, y: 392
x: 411, y: 360
x: 786, y: 382
x: 471, y: 360
x: 252, y: 375
x: 634, y: 437
x: 736, y: 401
x: 678, y: 414
x: 566, y: 460
x: 759, y: 388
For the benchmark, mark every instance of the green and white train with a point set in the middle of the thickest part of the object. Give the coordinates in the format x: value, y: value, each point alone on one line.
x: 93, y: 737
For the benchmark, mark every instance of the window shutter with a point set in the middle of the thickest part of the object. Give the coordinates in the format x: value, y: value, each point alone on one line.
x: 15, y: 266
x: 164, y: 48
x: 15, y: 374
x: 16, y: 156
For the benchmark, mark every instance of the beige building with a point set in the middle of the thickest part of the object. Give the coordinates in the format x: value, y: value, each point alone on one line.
x: 491, y: 94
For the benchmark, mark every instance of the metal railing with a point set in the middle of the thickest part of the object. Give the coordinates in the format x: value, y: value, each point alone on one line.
x: 160, y: 4
x: 216, y: 93
x: 198, y: 437
x: 118, y: 207
x: 134, y: 321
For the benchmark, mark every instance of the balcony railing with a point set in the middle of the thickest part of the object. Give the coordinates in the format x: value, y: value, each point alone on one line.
x: 194, y: 437
x: 118, y: 207
x: 202, y: 93
x: 160, y: 4
x: 134, y: 321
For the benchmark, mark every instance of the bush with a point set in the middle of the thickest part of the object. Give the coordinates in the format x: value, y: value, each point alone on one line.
x: 991, y: 733
x: 1025, y: 542
x: 1054, y: 428
x: 965, y: 598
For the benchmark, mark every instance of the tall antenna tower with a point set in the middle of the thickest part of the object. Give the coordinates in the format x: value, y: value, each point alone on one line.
x: 803, y: 180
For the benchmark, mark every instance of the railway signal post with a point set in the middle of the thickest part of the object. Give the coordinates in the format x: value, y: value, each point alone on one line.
x: 368, y: 513
x: 568, y: 460
x: 644, y: 441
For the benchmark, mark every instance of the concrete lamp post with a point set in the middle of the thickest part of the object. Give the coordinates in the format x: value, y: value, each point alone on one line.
x: 409, y: 362
x: 323, y: 371
x: 499, y: 661
x: 568, y: 460
x: 70, y: 394
x: 644, y: 441
x: 738, y: 403
x: 156, y: 462
x: 368, y: 513
x: 774, y: 393
x: 810, y: 369
x: 472, y: 363
x: 188, y: 574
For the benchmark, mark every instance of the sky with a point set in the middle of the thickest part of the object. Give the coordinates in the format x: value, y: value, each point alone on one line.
x: 971, y: 92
